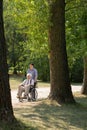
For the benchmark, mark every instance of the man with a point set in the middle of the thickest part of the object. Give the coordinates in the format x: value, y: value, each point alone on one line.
x: 34, y: 73
x: 25, y: 86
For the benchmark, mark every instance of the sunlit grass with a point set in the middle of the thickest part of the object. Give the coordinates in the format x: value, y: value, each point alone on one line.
x: 43, y: 84
x: 16, y: 80
x: 77, y: 84
x: 47, y: 115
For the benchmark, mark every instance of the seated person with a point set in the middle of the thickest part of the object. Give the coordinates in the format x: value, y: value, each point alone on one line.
x: 25, y: 86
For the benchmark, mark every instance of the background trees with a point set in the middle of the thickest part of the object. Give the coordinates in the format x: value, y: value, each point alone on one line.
x: 27, y: 25
x: 29, y: 32
x: 76, y: 44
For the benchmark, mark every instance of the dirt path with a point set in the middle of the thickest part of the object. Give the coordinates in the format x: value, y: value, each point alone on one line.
x: 43, y: 93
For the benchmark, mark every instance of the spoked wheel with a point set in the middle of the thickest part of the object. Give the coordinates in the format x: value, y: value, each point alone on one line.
x: 33, y: 94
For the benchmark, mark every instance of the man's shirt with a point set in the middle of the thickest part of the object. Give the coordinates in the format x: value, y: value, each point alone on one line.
x: 34, y: 73
x: 27, y: 82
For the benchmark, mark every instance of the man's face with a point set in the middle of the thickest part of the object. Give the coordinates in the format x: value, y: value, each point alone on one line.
x: 28, y: 77
x: 31, y: 66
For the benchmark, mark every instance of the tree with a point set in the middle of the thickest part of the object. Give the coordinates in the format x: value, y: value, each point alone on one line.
x: 6, y: 111
x: 84, y: 25
x: 59, y: 73
x: 84, y: 88
x: 75, y: 37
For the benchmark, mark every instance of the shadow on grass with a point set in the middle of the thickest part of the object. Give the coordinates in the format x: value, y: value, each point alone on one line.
x: 16, y: 125
x: 45, y: 115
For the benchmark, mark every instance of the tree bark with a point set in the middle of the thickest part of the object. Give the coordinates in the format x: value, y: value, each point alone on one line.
x: 84, y: 88
x: 6, y: 110
x: 59, y: 73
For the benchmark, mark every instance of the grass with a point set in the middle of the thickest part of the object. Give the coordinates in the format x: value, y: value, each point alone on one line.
x: 47, y: 115
x: 77, y: 84
x: 16, y: 80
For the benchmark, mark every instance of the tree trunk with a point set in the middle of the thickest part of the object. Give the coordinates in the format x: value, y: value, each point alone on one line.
x: 84, y: 88
x: 6, y: 111
x: 59, y: 74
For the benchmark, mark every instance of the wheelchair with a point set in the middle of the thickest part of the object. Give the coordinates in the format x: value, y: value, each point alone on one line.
x: 32, y: 95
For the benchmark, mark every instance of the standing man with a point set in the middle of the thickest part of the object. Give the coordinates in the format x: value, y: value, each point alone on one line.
x: 34, y: 73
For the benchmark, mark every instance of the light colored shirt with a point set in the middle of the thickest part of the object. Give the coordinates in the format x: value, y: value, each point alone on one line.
x: 27, y: 82
x: 34, y: 73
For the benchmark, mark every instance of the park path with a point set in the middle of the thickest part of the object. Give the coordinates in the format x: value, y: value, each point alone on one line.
x: 43, y: 92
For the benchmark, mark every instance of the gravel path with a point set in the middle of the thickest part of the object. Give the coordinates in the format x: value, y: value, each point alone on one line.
x: 43, y: 92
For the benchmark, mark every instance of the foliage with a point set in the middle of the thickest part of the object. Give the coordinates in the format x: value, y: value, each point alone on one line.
x: 27, y: 41
x: 26, y: 30
x: 75, y: 37
x: 76, y: 73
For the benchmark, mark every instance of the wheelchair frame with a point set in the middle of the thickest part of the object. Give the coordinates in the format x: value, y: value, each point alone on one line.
x: 32, y: 95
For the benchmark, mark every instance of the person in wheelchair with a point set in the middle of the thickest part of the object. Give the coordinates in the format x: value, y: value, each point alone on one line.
x: 25, y: 86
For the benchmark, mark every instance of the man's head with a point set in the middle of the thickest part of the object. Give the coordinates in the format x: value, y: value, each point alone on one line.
x: 31, y: 66
x: 29, y: 76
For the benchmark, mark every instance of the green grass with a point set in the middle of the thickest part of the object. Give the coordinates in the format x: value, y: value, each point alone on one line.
x: 44, y: 115
x: 47, y: 115
x: 16, y: 80
x: 77, y: 84
x: 43, y: 84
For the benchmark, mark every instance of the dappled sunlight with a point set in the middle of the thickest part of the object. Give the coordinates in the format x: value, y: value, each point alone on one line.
x: 47, y: 115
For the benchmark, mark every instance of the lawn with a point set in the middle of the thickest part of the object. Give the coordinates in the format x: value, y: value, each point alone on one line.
x: 16, y: 80
x: 47, y: 115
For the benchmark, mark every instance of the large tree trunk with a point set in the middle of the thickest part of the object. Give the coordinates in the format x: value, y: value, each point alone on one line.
x: 84, y: 88
x: 59, y: 74
x: 6, y: 111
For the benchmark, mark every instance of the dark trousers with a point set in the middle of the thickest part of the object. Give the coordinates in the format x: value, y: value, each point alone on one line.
x: 34, y: 89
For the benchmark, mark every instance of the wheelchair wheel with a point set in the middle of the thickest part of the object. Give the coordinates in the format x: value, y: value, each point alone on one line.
x: 33, y: 94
